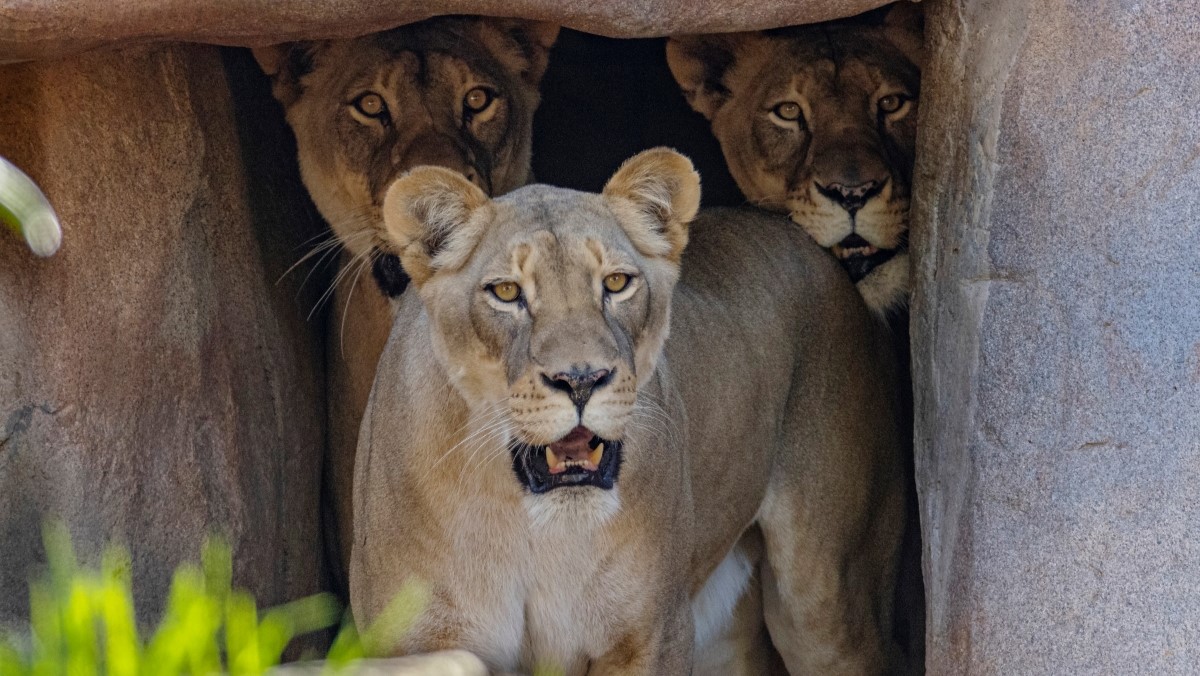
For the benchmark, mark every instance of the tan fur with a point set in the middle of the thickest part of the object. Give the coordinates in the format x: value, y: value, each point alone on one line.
x: 347, y: 161
x: 751, y: 390
x: 837, y: 73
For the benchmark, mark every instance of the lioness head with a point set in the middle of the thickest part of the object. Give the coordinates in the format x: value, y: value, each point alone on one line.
x: 457, y: 92
x: 818, y: 121
x: 549, y: 306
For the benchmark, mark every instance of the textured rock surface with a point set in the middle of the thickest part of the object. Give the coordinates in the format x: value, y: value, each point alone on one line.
x: 49, y: 28
x: 155, y: 381
x: 1056, y: 336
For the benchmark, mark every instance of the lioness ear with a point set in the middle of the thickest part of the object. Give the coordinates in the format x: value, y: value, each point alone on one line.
x: 536, y: 38
x: 433, y: 217
x: 285, y: 64
x: 904, y: 26
x: 656, y: 194
x: 532, y: 41
x: 700, y: 64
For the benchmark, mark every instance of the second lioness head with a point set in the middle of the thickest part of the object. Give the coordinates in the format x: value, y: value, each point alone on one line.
x: 457, y: 92
x: 818, y: 121
x: 548, y: 306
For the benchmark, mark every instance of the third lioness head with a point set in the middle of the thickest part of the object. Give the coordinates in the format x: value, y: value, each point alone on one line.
x: 458, y: 92
x: 818, y: 121
x: 549, y: 306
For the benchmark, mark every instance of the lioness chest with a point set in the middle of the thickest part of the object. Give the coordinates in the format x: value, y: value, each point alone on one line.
x: 555, y: 595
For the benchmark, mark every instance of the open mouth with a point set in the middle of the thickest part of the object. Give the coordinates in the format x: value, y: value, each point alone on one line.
x: 859, y: 257
x: 581, y: 458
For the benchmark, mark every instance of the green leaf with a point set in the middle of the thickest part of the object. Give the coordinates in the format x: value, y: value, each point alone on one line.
x: 26, y: 212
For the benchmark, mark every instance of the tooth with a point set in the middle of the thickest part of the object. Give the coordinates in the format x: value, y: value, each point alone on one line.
x: 594, y: 456
x: 552, y: 460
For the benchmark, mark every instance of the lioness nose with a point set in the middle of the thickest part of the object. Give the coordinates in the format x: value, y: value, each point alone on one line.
x: 579, y: 383
x: 851, y: 197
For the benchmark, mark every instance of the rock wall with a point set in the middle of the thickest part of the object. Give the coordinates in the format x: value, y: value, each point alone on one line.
x: 1056, y: 336
x: 156, y: 382
x: 53, y: 28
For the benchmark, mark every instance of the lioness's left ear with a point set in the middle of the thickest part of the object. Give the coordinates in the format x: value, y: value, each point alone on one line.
x: 656, y: 194
x: 433, y: 217
x: 532, y: 39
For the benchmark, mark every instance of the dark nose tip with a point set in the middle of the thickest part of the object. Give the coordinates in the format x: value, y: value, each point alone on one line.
x: 851, y: 197
x: 579, y: 383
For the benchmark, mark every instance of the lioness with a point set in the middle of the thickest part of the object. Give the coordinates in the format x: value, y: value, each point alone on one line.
x: 820, y: 121
x: 458, y: 92
x: 576, y: 418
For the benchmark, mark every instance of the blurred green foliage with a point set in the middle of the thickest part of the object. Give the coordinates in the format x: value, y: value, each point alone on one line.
x: 25, y: 211
x: 82, y: 621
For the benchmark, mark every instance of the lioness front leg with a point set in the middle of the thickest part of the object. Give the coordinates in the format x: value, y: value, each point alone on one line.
x: 658, y: 644
x: 828, y: 581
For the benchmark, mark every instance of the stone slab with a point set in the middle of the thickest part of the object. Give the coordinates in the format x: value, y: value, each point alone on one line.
x: 40, y: 29
x: 156, y: 382
x: 1056, y: 335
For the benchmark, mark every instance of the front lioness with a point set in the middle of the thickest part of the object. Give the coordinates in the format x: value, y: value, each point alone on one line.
x: 820, y: 121
x: 458, y: 92
x: 575, y: 419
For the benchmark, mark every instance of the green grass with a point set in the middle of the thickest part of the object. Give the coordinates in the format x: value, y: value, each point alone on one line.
x: 82, y: 621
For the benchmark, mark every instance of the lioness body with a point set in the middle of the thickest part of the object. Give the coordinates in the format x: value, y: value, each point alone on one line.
x: 765, y: 407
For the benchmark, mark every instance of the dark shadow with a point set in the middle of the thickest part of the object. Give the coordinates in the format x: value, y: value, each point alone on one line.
x: 603, y: 101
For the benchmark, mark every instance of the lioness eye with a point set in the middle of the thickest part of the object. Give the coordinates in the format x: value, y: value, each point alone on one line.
x: 506, y: 291
x: 891, y: 103
x: 371, y: 105
x: 478, y: 99
x: 616, y: 282
x: 788, y: 111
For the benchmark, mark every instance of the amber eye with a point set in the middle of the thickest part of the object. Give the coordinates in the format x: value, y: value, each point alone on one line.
x: 891, y: 103
x: 506, y: 291
x: 616, y: 282
x: 478, y: 99
x: 371, y: 105
x: 788, y: 111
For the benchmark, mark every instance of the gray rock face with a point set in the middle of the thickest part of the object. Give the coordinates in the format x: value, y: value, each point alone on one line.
x: 1056, y: 336
x: 155, y: 381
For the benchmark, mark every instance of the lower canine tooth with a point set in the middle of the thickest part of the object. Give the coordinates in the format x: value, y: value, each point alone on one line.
x: 595, y: 455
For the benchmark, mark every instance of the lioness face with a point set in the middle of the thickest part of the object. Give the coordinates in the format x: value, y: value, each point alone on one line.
x: 818, y: 121
x: 457, y: 92
x: 549, y: 307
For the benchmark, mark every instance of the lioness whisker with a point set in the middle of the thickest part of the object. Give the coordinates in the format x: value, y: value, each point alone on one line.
x: 367, y: 261
x: 342, y: 274
x: 332, y: 244
x: 497, y: 413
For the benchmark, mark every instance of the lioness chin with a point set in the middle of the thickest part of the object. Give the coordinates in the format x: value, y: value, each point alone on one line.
x: 819, y: 121
x: 457, y: 92
x: 576, y: 418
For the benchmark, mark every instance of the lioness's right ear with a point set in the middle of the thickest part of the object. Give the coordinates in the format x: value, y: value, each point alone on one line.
x: 700, y: 64
x: 433, y: 217
x: 656, y: 194
x: 285, y: 64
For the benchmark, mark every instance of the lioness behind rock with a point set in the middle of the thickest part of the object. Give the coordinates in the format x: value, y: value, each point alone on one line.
x: 819, y: 121
x: 457, y: 92
x: 576, y: 418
